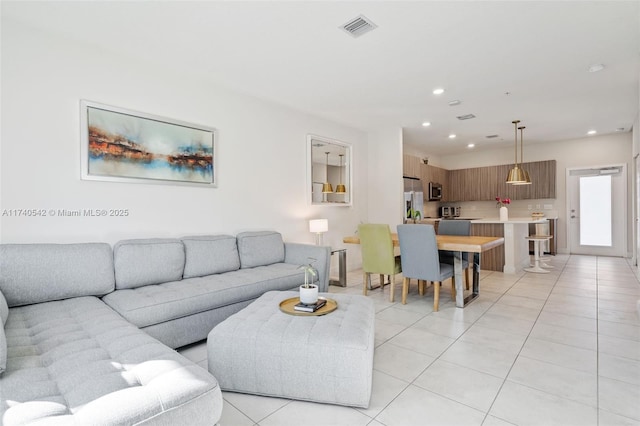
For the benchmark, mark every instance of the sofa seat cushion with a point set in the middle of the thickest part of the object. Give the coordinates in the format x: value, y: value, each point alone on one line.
x: 76, y: 361
x: 154, y: 304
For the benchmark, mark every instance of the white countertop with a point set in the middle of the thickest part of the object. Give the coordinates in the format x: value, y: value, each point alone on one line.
x: 512, y: 220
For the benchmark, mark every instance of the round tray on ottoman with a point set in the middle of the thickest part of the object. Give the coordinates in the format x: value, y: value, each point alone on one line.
x: 288, y: 307
x: 329, y: 358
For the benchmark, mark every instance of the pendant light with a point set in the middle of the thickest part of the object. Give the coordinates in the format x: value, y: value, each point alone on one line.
x: 340, y: 188
x: 527, y: 179
x: 326, y: 187
x: 515, y: 174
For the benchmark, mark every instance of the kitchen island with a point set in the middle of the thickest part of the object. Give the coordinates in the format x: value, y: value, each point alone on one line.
x: 514, y: 255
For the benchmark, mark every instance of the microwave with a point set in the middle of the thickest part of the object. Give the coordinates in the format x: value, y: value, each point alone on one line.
x: 435, y: 191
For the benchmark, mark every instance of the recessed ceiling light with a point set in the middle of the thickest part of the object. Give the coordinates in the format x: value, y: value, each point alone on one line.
x: 426, y: 124
x: 596, y: 67
x: 438, y: 91
x: 471, y: 145
x: 591, y: 132
x: 452, y: 136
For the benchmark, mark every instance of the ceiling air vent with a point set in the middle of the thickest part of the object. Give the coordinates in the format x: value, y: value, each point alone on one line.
x: 491, y: 136
x: 358, y: 26
x: 466, y: 117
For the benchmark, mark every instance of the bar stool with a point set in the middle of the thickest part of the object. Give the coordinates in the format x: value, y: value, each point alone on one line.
x: 537, y: 239
x: 543, y: 258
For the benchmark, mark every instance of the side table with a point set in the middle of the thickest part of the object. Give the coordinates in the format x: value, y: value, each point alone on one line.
x: 342, y: 268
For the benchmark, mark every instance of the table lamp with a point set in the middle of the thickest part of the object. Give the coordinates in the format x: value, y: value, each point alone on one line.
x: 319, y: 226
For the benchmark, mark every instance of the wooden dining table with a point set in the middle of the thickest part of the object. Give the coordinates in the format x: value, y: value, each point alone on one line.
x: 457, y: 244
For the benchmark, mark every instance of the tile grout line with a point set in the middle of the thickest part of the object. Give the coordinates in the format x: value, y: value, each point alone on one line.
x: 438, y: 357
x: 526, y: 339
x: 425, y: 369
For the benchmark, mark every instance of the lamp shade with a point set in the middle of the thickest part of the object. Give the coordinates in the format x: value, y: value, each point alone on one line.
x: 516, y: 175
x: 318, y: 225
x: 527, y: 178
x: 341, y: 189
x: 525, y: 174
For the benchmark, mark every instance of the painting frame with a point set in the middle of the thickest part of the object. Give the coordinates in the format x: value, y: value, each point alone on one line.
x: 122, y: 145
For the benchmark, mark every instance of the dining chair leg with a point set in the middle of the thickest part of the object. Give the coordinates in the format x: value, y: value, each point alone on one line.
x: 405, y: 289
x: 392, y: 279
x: 453, y: 288
x: 436, y: 296
x: 421, y: 286
x: 365, y: 278
x: 382, y: 281
x: 466, y: 277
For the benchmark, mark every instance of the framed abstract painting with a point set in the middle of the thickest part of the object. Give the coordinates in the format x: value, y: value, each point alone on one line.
x: 121, y: 145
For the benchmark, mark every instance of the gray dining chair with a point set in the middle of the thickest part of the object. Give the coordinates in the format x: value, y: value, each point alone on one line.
x: 421, y: 261
x: 455, y: 227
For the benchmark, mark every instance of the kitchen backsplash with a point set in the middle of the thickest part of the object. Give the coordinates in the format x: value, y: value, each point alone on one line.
x: 489, y: 209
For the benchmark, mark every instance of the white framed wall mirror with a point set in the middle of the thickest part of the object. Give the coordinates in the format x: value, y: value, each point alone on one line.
x: 329, y: 173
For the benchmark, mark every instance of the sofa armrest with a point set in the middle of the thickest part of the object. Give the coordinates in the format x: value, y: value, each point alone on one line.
x: 299, y: 254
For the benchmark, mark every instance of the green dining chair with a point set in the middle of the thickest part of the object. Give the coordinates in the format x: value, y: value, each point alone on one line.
x: 378, y: 256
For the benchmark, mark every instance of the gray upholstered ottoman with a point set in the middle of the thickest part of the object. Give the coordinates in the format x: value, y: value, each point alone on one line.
x: 261, y: 350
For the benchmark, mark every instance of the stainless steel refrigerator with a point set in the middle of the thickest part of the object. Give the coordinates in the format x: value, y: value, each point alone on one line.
x: 413, y: 198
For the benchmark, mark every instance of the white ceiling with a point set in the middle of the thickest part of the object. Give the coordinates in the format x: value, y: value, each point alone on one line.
x: 293, y: 53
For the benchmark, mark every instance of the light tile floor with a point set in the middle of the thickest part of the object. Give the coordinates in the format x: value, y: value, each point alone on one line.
x: 555, y: 349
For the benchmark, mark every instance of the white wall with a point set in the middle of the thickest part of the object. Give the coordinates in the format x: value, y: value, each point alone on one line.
x: 262, y: 151
x: 385, y: 177
x: 636, y: 187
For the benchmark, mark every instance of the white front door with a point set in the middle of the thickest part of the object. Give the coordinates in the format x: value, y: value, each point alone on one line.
x: 597, y: 210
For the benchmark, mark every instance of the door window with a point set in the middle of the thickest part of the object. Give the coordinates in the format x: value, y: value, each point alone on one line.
x: 595, y: 211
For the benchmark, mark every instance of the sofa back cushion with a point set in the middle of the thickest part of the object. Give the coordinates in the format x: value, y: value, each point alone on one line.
x: 4, y: 309
x: 210, y: 254
x: 260, y: 248
x: 4, y: 314
x: 147, y: 261
x: 35, y: 273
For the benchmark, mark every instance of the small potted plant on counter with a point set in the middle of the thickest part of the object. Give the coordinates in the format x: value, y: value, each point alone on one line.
x: 413, y: 215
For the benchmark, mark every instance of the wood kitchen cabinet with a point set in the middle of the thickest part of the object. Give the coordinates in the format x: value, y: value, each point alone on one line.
x: 487, y: 183
x: 434, y: 174
x: 543, y: 181
x: 543, y: 178
x: 484, y: 183
x: 411, y: 166
x: 475, y: 184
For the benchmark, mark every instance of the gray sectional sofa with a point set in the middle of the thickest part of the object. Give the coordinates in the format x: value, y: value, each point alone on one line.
x: 88, y: 331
